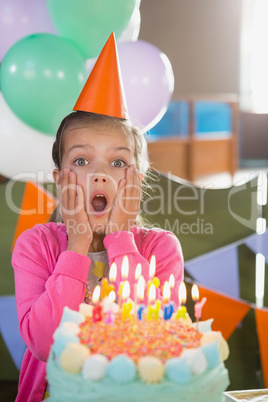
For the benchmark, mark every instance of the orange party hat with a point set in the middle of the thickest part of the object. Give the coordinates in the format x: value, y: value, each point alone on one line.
x: 103, y: 92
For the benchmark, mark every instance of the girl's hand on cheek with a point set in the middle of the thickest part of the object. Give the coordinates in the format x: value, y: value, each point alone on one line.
x: 72, y: 206
x: 127, y: 203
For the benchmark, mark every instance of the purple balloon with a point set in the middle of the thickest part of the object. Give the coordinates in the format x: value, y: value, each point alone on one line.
x: 19, y: 18
x: 148, y: 81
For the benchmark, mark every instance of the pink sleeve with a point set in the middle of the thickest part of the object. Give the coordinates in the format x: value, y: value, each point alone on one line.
x: 43, y: 289
x: 164, y: 245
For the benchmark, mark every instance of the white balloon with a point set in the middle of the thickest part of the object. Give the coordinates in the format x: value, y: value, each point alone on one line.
x: 25, y: 154
x: 131, y: 33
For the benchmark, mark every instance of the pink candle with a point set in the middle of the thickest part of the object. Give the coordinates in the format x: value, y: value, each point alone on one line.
x: 97, y: 309
x: 198, y: 308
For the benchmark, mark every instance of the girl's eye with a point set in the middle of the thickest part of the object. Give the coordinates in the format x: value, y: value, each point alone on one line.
x: 118, y: 163
x: 81, y: 162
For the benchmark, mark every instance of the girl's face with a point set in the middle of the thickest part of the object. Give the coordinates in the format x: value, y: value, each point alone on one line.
x: 99, y: 155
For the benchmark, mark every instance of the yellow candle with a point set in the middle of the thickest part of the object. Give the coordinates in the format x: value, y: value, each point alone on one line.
x: 153, y: 311
x: 106, y: 288
x: 182, y: 310
x: 126, y: 309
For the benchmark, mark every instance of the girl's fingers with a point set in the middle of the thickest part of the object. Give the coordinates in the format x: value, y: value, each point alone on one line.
x: 133, y: 193
x: 121, y: 193
x: 80, y: 199
x: 72, y: 193
x: 64, y: 190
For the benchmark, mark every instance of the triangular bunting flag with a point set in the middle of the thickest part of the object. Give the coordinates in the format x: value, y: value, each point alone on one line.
x: 262, y: 330
x: 259, y: 244
x: 217, y: 270
x: 226, y: 311
x: 9, y: 328
x: 36, y: 207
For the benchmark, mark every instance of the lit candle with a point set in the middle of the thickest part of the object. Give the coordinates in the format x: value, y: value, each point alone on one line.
x: 166, y: 293
x: 171, y: 282
x: 125, y: 268
x: 168, y: 306
x: 138, y: 272
x: 97, y: 309
x: 182, y: 311
x: 137, y: 276
x: 110, y: 316
x: 124, y: 276
x: 152, y: 295
x: 152, y: 278
x: 113, y: 273
x: 140, y: 288
x: 126, y: 307
x: 195, y: 293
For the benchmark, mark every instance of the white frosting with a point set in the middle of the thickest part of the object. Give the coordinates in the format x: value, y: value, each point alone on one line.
x: 196, y: 360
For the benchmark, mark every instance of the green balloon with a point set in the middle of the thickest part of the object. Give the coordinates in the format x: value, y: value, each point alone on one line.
x: 41, y: 78
x: 89, y: 23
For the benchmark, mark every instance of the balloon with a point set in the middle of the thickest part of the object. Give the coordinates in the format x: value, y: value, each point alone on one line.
x: 148, y: 81
x: 19, y: 18
x: 41, y: 78
x: 89, y: 23
x: 25, y: 154
x: 131, y: 33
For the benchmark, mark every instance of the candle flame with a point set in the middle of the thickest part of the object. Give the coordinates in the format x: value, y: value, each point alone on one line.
x: 138, y: 271
x: 182, y: 293
x: 96, y: 294
x: 140, y: 288
x: 166, y: 292
x: 195, y: 293
x: 152, y: 293
x: 152, y: 267
x: 126, y: 291
x: 125, y: 268
x: 113, y: 272
x: 112, y: 296
x: 171, y: 281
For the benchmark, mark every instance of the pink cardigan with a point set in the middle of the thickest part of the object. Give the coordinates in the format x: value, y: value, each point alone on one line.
x: 47, y: 278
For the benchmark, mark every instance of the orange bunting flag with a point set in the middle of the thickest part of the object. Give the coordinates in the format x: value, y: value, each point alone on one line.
x: 226, y: 311
x: 36, y: 207
x: 262, y: 330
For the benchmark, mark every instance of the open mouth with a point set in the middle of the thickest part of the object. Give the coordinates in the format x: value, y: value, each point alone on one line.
x: 99, y: 202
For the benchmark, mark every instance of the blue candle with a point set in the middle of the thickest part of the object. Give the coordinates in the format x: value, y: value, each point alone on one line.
x: 168, y: 310
x: 141, y: 307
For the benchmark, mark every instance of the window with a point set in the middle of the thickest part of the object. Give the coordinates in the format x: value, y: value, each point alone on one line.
x: 254, y: 56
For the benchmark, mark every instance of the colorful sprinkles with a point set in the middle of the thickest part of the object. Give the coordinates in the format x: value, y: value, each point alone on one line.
x: 139, y: 339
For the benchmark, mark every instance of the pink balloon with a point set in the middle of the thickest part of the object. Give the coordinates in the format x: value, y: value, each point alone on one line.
x: 19, y: 18
x: 148, y: 81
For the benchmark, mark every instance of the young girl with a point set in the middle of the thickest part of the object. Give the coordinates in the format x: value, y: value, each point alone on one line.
x: 99, y: 173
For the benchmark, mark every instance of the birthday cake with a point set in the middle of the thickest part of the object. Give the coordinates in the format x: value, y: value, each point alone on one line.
x: 113, y: 359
